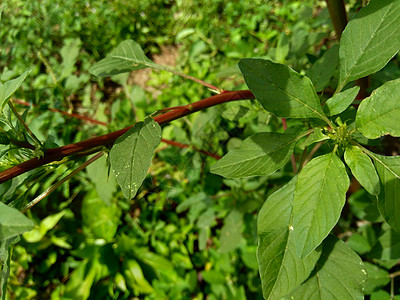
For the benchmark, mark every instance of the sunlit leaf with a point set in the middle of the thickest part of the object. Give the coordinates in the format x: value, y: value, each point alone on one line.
x: 369, y: 40
x: 318, y: 201
x: 8, y: 88
x: 100, y: 219
x: 316, y: 136
x: 338, y: 275
x: 281, y: 269
x: 36, y: 234
x: 340, y: 101
x: 12, y: 222
x: 261, y: 154
x: 128, y: 56
x: 281, y: 90
x: 104, y: 182
x: 134, y: 277
x: 378, y: 114
x: 363, y: 169
x: 131, y: 155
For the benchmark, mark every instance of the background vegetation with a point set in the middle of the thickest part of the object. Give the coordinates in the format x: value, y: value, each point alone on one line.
x: 188, y: 233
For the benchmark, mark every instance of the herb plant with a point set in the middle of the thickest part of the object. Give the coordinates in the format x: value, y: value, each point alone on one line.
x: 299, y: 255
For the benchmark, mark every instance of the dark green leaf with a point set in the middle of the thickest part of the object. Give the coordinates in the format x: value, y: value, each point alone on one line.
x: 378, y: 114
x: 281, y: 270
x: 338, y: 275
x: 363, y: 169
x: 387, y: 247
x: 322, y: 70
x: 388, y: 168
x: 128, y: 56
x: 131, y: 155
x: 369, y: 40
x: 261, y: 154
x: 318, y: 201
x: 5, y: 258
x: 340, y: 101
x: 281, y: 90
x: 12, y: 222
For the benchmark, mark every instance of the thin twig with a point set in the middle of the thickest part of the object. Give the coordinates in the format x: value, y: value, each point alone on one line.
x: 56, y: 185
x: 312, y: 152
x: 206, y: 84
x: 184, y: 146
x: 72, y: 115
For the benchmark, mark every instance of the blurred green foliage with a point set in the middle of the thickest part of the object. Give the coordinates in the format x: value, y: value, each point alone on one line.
x: 188, y: 233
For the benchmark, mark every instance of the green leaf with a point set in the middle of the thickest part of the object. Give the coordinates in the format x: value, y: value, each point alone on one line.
x: 377, y: 278
x: 318, y: 201
x: 369, y: 40
x: 105, y: 183
x: 315, y: 136
x: 340, y: 101
x: 378, y: 114
x: 134, y: 277
x: 213, y: 277
x: 69, y: 54
x: 36, y: 234
x: 231, y: 232
x: 12, y: 222
x: 387, y: 247
x: 81, y: 280
x: 128, y: 56
x: 359, y: 243
x: 281, y: 90
x: 282, y: 48
x: 322, y: 70
x: 100, y: 219
x: 157, y: 262
x: 339, y: 275
x: 281, y: 270
x: 5, y: 258
x: 260, y: 154
x: 363, y: 169
x: 8, y: 88
x: 383, y: 295
x: 131, y: 155
x: 388, y: 168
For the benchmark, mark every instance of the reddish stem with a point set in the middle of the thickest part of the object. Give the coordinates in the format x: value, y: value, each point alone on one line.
x: 59, y: 153
x: 72, y: 115
x: 89, y: 120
